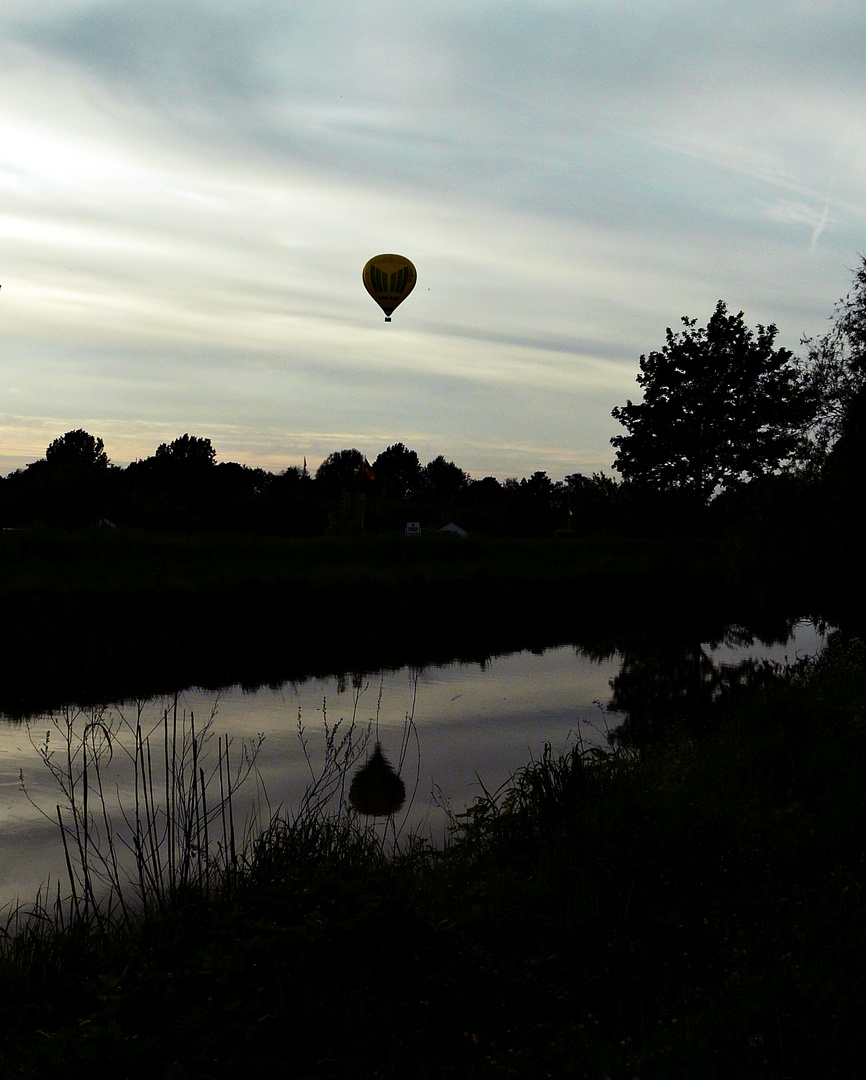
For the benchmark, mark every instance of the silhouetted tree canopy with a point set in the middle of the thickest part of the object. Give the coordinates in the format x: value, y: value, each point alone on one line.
x: 592, y: 502
x: 488, y: 488
x: 73, y: 485
x: 188, y: 449
x: 845, y: 465
x: 77, y: 448
x: 398, y: 472
x: 534, y: 505
x: 443, y: 480
x: 835, y: 366
x: 342, y: 471
x: 720, y: 404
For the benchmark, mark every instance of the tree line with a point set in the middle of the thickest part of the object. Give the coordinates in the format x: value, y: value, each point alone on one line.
x: 730, y: 428
x: 182, y: 488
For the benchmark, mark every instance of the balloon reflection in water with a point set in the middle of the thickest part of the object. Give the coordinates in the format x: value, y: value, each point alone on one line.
x: 376, y: 790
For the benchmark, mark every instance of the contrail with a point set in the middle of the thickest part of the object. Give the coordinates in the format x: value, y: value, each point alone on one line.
x: 825, y: 213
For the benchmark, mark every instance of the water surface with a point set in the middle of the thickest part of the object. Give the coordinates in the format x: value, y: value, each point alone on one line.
x: 456, y: 727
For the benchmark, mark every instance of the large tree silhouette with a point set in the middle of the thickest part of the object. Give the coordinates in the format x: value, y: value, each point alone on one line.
x: 398, y: 472
x: 443, y: 480
x: 188, y: 450
x: 342, y: 471
x: 79, y: 449
x: 73, y: 485
x: 835, y: 369
x: 720, y: 404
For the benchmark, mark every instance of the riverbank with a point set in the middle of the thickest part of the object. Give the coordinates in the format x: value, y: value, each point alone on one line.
x: 694, y: 913
x: 106, y: 615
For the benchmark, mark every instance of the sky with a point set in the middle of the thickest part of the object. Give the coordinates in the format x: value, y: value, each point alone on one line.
x: 189, y: 190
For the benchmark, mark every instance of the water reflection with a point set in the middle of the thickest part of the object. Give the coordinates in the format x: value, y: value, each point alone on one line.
x: 471, y: 724
x: 376, y: 790
x: 671, y: 685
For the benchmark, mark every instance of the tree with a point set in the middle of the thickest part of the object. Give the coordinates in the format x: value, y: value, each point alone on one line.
x: 443, y: 480
x: 178, y: 488
x: 720, y: 404
x: 189, y: 450
x: 72, y: 486
x: 487, y: 489
x: 398, y: 471
x: 343, y: 470
x: 534, y: 505
x: 77, y: 448
x: 835, y: 366
x: 593, y: 502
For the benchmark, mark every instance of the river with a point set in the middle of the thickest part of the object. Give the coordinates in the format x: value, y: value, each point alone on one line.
x: 455, y: 727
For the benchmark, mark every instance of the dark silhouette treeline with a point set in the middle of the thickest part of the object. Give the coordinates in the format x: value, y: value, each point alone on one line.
x: 787, y: 522
x: 182, y: 489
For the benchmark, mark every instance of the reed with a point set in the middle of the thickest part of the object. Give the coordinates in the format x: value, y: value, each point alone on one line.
x: 326, y: 828
x: 147, y: 812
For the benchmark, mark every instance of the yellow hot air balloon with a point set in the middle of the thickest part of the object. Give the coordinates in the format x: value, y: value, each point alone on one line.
x: 389, y: 279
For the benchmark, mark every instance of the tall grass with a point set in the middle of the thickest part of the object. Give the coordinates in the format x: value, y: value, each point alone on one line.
x: 324, y: 827
x: 147, y: 812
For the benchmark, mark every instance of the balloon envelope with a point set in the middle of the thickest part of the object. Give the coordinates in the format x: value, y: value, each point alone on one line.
x: 389, y: 279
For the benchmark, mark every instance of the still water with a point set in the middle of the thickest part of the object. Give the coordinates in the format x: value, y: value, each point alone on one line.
x: 456, y: 727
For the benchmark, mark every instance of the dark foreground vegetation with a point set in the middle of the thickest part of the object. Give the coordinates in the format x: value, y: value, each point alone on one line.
x: 696, y: 910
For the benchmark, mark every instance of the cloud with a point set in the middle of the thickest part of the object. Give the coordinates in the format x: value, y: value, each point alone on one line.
x: 190, y: 192
x: 165, y: 51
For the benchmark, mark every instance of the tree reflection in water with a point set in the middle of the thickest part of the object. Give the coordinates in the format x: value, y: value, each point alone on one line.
x: 671, y: 685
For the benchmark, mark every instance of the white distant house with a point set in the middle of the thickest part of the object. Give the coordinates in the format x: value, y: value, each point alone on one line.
x: 452, y: 528
x: 413, y: 528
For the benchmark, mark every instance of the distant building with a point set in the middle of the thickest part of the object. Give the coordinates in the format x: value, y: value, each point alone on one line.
x: 452, y: 528
x: 413, y: 528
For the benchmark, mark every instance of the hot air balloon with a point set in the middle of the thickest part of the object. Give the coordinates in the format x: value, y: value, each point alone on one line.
x: 389, y: 279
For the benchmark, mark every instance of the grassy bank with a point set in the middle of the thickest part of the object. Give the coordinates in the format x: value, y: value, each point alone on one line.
x: 95, y: 615
x: 121, y: 562
x: 697, y: 913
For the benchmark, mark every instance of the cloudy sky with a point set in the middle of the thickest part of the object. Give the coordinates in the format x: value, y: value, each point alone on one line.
x: 189, y: 190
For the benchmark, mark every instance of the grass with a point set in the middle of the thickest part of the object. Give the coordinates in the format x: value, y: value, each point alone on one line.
x: 697, y: 912
x: 146, y: 814
x: 63, y: 566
